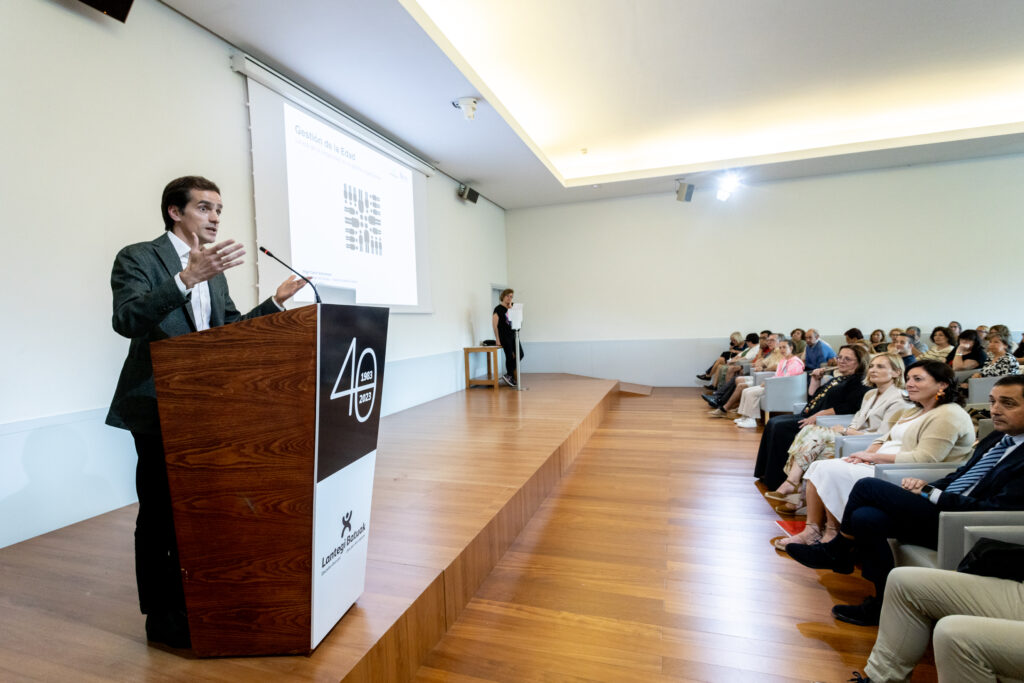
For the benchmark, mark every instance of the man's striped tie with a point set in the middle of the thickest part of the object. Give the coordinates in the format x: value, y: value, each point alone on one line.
x: 982, y: 467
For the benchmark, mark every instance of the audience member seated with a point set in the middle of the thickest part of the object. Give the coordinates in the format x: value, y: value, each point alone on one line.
x: 736, y: 346
x: 749, y: 399
x: 1000, y: 361
x: 993, y: 479
x: 734, y: 365
x: 799, y: 343
x: 878, y: 343
x: 814, y: 442
x: 937, y: 430
x: 903, y: 346
x: 767, y: 361
x: 840, y: 395
x: 968, y: 353
x: 955, y: 329
x: 914, y: 332
x: 855, y: 336
x: 977, y: 621
x: 982, y: 331
x: 819, y: 353
x: 893, y: 333
x: 942, y: 345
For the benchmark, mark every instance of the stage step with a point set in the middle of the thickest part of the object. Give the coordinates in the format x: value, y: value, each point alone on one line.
x: 635, y: 389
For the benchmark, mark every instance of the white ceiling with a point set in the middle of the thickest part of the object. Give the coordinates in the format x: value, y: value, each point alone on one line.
x: 654, y: 90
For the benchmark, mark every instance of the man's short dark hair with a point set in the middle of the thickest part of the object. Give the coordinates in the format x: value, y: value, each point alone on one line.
x: 854, y: 333
x: 177, y: 193
x: 766, y: 332
x: 753, y: 338
x: 1011, y: 381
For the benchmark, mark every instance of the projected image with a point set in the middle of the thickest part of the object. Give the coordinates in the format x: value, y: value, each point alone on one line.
x: 350, y: 213
x: 362, y: 221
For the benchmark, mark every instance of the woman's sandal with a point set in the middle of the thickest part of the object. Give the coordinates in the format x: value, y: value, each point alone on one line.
x: 810, y: 534
x: 779, y: 494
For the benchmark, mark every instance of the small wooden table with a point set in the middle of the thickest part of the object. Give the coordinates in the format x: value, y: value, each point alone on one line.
x: 492, y: 365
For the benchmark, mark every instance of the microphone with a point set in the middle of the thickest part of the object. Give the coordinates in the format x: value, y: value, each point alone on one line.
x: 308, y: 281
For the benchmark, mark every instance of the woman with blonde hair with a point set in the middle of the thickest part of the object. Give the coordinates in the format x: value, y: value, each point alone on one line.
x: 814, y: 442
x: 938, y: 429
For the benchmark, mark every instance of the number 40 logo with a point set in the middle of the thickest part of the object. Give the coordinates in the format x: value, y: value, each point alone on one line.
x: 362, y: 381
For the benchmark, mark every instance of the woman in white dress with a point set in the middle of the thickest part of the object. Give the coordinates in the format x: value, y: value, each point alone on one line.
x: 814, y: 442
x: 937, y: 430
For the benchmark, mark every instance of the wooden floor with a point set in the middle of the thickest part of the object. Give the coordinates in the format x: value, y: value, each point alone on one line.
x: 649, y: 560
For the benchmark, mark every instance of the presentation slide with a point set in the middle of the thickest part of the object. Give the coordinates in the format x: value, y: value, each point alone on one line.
x: 350, y: 214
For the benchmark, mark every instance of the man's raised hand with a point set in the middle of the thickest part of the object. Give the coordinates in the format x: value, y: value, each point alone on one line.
x: 204, y: 263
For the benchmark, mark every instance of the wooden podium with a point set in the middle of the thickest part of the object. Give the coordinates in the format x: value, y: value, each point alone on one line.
x: 270, y: 433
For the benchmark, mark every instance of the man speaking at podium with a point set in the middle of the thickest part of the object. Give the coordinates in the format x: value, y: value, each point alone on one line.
x: 170, y: 286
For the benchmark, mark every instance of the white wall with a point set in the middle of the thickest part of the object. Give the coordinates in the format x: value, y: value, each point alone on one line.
x: 647, y: 285
x: 97, y: 117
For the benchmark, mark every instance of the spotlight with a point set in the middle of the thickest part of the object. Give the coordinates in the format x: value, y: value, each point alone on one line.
x: 726, y: 186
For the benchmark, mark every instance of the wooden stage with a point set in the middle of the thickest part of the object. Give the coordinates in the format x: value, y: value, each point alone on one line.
x: 566, y: 533
x: 456, y: 481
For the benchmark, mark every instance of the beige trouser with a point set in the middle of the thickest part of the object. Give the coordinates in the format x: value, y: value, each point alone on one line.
x: 979, y: 635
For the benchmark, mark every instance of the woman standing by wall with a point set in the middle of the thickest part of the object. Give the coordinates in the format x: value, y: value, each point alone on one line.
x: 505, y: 337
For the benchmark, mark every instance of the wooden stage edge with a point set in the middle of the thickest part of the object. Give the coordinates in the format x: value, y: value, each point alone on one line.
x: 457, y: 480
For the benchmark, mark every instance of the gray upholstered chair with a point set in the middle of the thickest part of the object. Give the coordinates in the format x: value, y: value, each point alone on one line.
x: 780, y: 393
x: 954, y: 538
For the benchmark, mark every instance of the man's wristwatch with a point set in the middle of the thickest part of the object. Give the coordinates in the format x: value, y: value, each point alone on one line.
x: 926, y: 490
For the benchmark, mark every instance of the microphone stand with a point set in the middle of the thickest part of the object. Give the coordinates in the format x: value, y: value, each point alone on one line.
x: 308, y: 281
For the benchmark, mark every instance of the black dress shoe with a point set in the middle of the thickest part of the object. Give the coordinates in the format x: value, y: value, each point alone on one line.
x: 169, y: 628
x: 705, y: 377
x: 866, y: 613
x: 857, y: 678
x: 837, y: 557
x: 710, y: 400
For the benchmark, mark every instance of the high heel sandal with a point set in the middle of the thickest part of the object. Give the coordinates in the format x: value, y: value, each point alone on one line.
x: 831, y: 531
x: 779, y: 494
x: 791, y: 504
x: 810, y: 534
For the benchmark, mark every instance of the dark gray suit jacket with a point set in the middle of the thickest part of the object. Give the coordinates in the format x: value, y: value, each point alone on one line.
x: 148, y: 307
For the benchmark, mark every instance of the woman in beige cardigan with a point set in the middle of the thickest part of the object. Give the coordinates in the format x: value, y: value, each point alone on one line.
x: 937, y: 430
x: 814, y: 442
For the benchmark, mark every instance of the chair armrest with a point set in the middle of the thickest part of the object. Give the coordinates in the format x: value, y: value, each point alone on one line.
x: 781, y: 392
x: 951, y: 531
x: 896, y: 472
x: 847, y: 445
x: 964, y: 375
x: 833, y: 420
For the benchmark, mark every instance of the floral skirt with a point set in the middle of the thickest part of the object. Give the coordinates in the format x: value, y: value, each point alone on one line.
x: 811, y: 443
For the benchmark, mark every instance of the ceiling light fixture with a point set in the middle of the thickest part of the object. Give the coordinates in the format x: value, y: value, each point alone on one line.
x: 726, y: 186
x: 467, y: 105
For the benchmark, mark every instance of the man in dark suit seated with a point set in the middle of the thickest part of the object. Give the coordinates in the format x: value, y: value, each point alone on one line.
x: 992, y: 479
x: 170, y: 286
